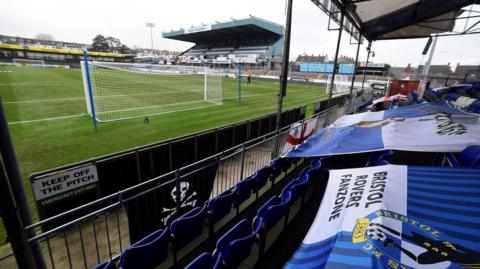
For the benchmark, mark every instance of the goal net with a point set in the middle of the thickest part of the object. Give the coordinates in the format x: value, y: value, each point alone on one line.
x: 29, y: 62
x: 126, y: 90
x: 340, y: 85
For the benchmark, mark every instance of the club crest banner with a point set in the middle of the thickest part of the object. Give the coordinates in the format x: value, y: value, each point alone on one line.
x: 395, y: 217
x: 439, y: 132
x: 410, y: 111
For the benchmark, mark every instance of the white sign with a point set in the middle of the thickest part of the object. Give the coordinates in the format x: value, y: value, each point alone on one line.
x: 374, y: 65
x: 222, y: 60
x: 59, y: 183
x: 196, y: 29
x: 243, y: 58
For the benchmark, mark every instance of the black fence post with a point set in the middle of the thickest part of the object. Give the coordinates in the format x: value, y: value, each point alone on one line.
x: 13, y: 225
x: 243, y: 161
x: 284, y: 76
x: 178, y: 203
x: 17, y: 215
x: 139, y: 170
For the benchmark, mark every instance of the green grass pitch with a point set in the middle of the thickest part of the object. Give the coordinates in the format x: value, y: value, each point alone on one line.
x: 47, y: 117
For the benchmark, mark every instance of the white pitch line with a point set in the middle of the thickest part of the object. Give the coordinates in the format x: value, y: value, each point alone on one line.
x: 44, y: 100
x: 167, y: 112
x: 123, y: 95
x: 47, y: 119
x: 39, y: 84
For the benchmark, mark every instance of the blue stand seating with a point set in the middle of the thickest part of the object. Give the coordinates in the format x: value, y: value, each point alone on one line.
x: 205, y: 261
x: 187, y: 228
x: 236, y: 245
x: 221, y: 205
x: 148, y: 252
x: 106, y: 265
x: 378, y: 158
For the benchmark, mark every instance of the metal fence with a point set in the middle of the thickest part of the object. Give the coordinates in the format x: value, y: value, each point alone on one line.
x: 103, y: 231
x: 117, y: 171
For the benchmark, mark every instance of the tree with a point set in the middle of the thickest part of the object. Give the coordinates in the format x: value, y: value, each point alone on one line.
x: 100, y: 44
x: 44, y: 36
x: 109, y: 44
x: 124, y: 49
x: 114, y: 43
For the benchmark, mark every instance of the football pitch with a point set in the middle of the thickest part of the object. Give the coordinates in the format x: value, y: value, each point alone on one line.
x: 47, y: 117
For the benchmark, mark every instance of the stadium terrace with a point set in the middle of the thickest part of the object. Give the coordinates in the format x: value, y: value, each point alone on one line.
x: 250, y: 41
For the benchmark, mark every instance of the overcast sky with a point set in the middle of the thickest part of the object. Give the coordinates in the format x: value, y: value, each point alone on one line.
x: 80, y: 21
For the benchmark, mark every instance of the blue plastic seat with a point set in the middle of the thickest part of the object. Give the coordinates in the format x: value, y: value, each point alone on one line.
x: 146, y: 253
x: 289, y: 185
x: 262, y: 176
x: 106, y: 265
x: 304, y: 172
x: 317, y: 163
x: 205, y: 261
x: 221, y: 205
x: 280, y: 164
x: 241, y: 229
x: 244, y: 189
x: 236, y: 245
x: 272, y: 211
x: 452, y: 159
x: 297, y: 188
x: 471, y: 156
x: 378, y: 158
x: 188, y: 227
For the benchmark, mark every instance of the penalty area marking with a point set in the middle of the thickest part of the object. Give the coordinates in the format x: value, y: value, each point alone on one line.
x: 46, y: 119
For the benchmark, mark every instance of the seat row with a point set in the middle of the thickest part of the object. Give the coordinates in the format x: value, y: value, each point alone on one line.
x: 165, y: 247
x: 469, y: 158
x: 243, y: 244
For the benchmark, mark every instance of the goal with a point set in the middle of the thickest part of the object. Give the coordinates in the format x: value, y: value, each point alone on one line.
x: 29, y: 62
x: 340, y: 85
x: 127, y: 90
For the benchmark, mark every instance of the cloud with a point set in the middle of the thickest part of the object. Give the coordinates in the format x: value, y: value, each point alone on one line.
x: 81, y: 21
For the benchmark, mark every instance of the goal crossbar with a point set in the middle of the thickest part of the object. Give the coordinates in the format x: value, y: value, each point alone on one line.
x: 127, y: 90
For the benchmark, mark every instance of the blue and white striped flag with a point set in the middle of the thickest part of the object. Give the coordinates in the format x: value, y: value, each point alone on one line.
x: 395, y: 217
x: 424, y: 127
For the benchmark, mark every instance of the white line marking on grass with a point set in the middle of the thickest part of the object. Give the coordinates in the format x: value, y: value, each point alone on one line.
x: 45, y: 100
x: 46, y: 119
x: 166, y: 112
x: 40, y: 84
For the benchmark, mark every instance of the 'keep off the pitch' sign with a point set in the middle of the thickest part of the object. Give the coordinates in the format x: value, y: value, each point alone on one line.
x: 66, y: 184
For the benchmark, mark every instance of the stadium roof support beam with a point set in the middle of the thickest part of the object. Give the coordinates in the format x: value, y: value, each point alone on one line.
x: 282, y: 91
x: 335, y: 61
x: 354, y: 75
x: 400, y: 19
x: 369, y: 48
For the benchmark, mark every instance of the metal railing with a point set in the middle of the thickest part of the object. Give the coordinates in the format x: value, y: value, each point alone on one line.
x: 104, y: 230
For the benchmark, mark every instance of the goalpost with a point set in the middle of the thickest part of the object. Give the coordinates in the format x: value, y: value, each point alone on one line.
x: 128, y: 90
x: 340, y: 85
